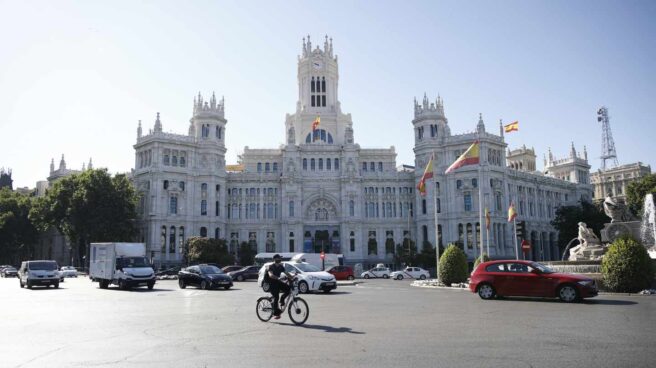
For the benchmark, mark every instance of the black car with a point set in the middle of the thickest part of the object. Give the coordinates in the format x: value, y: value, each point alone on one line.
x: 9, y: 272
x: 228, y: 269
x: 246, y: 273
x: 204, y: 276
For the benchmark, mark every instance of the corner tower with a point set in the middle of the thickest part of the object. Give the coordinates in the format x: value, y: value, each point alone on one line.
x: 208, y: 121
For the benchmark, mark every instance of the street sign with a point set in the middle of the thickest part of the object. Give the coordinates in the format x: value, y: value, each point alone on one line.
x: 323, y: 255
x: 526, y: 246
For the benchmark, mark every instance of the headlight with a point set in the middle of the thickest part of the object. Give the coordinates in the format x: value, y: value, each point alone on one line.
x: 586, y: 283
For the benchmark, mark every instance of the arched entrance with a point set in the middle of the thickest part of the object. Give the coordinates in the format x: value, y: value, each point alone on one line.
x: 321, y: 232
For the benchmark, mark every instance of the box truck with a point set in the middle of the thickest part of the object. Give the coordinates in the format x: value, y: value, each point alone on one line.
x: 330, y: 260
x: 122, y: 264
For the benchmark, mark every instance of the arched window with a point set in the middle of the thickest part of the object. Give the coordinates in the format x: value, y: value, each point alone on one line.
x: 203, y: 207
x: 217, y: 233
x: 364, y: 166
x: 312, y: 164
x: 424, y: 234
x: 217, y: 212
x: 181, y: 235
x: 423, y: 206
x: 372, y: 166
x: 203, y: 187
x: 470, y: 237
x: 323, y: 87
x: 259, y: 167
x: 319, y: 135
x: 166, y: 184
x: 163, y: 239
x: 275, y: 167
x: 172, y: 240
x: 380, y: 166
x: 203, y: 232
x: 291, y: 208
x: 320, y: 164
x: 291, y: 241
x: 336, y: 164
x: 252, y: 210
x: 267, y: 167
x: 474, y: 183
x: 352, y: 241
x: 328, y: 164
x: 312, y: 86
x: 181, y: 184
x: 173, y: 205
x: 305, y: 164
x: 183, y: 160
x: 351, y: 208
x: 458, y: 184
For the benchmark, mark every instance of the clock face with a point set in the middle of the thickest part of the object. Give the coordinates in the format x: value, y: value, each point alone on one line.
x: 317, y: 64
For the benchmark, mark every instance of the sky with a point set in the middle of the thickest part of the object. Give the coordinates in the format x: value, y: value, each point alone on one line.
x: 77, y: 76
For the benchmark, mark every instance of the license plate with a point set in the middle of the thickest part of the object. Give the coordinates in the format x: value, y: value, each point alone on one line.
x: 329, y: 284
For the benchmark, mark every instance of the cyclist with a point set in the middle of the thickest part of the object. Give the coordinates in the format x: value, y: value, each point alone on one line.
x: 276, y: 285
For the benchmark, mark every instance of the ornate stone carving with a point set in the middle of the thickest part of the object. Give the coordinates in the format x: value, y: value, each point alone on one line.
x: 321, y: 210
x: 617, y: 212
x: 589, y: 248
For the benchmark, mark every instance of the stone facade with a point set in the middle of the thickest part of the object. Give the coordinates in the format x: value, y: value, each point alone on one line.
x: 322, y: 191
x: 613, y: 182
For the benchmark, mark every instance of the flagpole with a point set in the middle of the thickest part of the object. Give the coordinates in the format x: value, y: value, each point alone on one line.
x: 437, y: 239
x: 487, y: 232
x: 515, y: 237
x: 480, y: 197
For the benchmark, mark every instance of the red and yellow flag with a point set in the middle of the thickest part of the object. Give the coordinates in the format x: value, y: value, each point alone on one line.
x: 511, y: 212
x: 470, y: 157
x: 316, y: 122
x: 512, y: 127
x: 487, y: 218
x: 428, y: 173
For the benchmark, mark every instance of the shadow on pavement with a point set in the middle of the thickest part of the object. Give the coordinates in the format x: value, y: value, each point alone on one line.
x: 326, y: 328
x: 608, y: 302
x: 332, y: 293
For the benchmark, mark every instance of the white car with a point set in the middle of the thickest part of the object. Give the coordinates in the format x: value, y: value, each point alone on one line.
x: 376, y: 272
x: 310, y: 278
x: 410, y: 273
x: 68, y: 271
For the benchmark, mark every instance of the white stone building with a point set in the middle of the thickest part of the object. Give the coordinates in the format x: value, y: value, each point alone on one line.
x: 613, y: 182
x: 322, y: 191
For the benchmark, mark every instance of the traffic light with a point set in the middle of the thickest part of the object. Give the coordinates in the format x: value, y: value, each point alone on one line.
x: 323, y: 255
x: 520, y: 230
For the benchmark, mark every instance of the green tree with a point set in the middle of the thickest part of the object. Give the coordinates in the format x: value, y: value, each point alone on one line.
x: 206, y: 250
x: 636, y: 192
x: 626, y: 267
x: 89, y: 207
x: 17, y: 232
x: 389, y: 246
x: 406, y: 253
x: 246, y: 254
x: 567, y: 218
x: 481, y: 259
x: 453, y: 265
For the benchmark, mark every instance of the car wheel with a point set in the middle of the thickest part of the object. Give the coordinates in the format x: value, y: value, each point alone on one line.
x: 568, y: 294
x: 181, y: 284
x: 56, y: 285
x: 350, y: 277
x: 399, y: 277
x: 366, y: 275
x: 265, y: 287
x: 122, y: 285
x: 29, y: 284
x: 227, y: 287
x: 386, y: 276
x: 240, y: 278
x: 204, y: 285
x: 326, y: 291
x: 302, y: 287
x: 151, y: 285
x: 422, y: 277
x: 486, y: 291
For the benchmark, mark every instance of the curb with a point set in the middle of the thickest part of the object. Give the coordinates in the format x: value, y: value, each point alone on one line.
x: 467, y: 288
x: 349, y: 283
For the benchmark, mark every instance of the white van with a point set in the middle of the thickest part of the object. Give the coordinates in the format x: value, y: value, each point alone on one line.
x: 122, y: 264
x: 330, y: 260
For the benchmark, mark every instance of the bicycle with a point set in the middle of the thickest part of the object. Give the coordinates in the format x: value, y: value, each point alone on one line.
x: 298, y: 308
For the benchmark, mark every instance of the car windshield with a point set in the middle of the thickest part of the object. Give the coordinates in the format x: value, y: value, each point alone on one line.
x: 542, y: 268
x: 43, y: 266
x: 131, y: 262
x: 210, y: 270
x: 307, y: 267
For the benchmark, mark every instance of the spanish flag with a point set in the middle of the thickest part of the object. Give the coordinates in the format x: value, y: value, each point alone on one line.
x: 487, y: 218
x: 428, y: 173
x: 316, y: 123
x: 511, y: 212
x: 512, y: 127
x: 470, y: 157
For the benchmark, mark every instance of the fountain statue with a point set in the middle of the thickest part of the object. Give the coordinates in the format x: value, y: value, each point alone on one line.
x: 648, y: 225
x: 589, y: 248
x: 617, y: 211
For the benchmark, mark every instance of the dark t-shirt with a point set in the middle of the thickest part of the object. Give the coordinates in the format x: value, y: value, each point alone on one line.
x: 277, y: 269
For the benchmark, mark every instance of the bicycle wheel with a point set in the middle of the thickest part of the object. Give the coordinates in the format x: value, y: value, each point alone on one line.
x: 299, y: 311
x: 263, y: 309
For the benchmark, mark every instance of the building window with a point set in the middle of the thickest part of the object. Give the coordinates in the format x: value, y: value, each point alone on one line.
x: 203, y: 187
x: 259, y: 167
x: 267, y: 167
x: 351, y: 208
x: 275, y: 167
x: 203, y: 232
x: 173, y: 205
x: 166, y: 184
x: 328, y: 164
x: 305, y: 164
x: 423, y: 206
x: 163, y: 240
x: 352, y: 241
x: 439, y: 206
x: 217, y: 212
x: 372, y: 244
x: 468, y: 201
x: 424, y: 234
x: 172, y: 240
x: 372, y: 166
x: 470, y: 237
x: 312, y: 164
x: 291, y: 208
x: 166, y: 160
x: 474, y: 183
x: 380, y: 166
x: 181, y: 185
x: 291, y: 242
x: 458, y: 184
x: 217, y: 233
x: 181, y: 236
x: 203, y: 207
x: 183, y: 160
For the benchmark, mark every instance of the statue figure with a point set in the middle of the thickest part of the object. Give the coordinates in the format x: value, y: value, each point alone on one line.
x: 589, y: 247
x: 616, y: 211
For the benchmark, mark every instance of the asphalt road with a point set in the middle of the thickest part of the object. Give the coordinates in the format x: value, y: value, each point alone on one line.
x: 381, y: 323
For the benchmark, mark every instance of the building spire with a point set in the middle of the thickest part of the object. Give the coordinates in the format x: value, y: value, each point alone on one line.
x: 501, y: 129
x: 158, y: 124
x: 52, y: 165
x: 139, y: 131
x: 90, y: 165
x: 481, y: 125
x: 572, y: 152
x: 62, y: 163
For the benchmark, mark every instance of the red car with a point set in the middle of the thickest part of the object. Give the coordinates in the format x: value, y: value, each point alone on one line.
x: 342, y: 272
x: 528, y: 278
